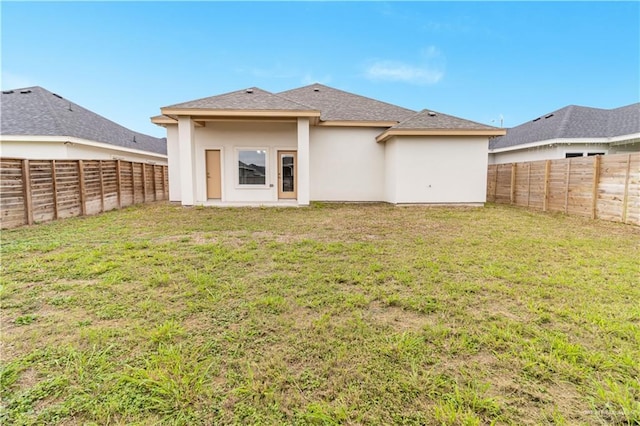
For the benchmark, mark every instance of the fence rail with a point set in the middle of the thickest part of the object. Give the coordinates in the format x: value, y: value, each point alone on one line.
x: 604, y: 187
x: 33, y: 191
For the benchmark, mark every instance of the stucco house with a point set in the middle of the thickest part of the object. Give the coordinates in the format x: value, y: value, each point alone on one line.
x: 572, y: 131
x: 39, y: 124
x: 253, y: 147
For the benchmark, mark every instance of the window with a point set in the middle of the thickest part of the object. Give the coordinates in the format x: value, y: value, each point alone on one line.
x: 581, y: 154
x: 252, y: 168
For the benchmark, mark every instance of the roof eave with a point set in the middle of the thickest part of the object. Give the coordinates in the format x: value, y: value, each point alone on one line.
x: 439, y: 132
x: 79, y: 141
x: 205, y: 112
x: 163, y: 120
x: 356, y: 123
x: 613, y: 141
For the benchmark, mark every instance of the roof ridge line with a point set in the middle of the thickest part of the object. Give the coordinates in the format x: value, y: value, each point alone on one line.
x: 214, y: 96
x: 350, y: 93
x: 52, y: 110
x: 565, y: 121
x: 295, y: 102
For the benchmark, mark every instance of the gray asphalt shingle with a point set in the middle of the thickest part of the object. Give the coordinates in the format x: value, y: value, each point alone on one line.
x: 338, y: 105
x: 428, y: 119
x: 34, y: 111
x: 573, y: 122
x: 252, y: 98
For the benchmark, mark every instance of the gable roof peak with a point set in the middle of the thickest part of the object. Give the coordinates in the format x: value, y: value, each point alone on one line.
x: 339, y: 105
x: 251, y: 98
x: 428, y: 119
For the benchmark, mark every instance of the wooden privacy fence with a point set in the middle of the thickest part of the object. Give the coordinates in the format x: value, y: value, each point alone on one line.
x: 604, y: 187
x: 34, y: 191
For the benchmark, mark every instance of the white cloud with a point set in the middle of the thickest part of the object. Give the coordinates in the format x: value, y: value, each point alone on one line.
x: 429, y: 70
x: 14, y: 81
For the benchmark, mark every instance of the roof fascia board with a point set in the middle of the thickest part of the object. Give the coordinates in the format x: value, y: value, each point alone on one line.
x: 79, y: 141
x: 439, y: 132
x: 625, y: 139
x: 348, y: 123
x: 239, y: 112
x: 245, y: 119
x: 163, y: 120
x: 616, y: 140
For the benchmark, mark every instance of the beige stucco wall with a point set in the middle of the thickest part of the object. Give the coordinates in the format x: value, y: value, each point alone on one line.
x: 346, y: 164
x: 439, y: 169
x: 173, y: 152
x: 390, y: 170
x: 228, y: 137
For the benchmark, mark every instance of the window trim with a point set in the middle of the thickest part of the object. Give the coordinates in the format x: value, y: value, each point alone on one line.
x: 267, y: 167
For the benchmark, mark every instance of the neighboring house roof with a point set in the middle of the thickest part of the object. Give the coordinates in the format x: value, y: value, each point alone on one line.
x: 338, y: 105
x: 34, y: 111
x: 573, y: 122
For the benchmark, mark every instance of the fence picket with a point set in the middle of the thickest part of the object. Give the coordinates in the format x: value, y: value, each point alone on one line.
x: 67, y: 179
x: 605, y: 187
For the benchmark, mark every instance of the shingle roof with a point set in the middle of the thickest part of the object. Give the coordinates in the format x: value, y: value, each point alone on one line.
x: 338, y: 105
x: 34, y: 111
x: 252, y: 98
x: 427, y: 120
x: 573, y: 122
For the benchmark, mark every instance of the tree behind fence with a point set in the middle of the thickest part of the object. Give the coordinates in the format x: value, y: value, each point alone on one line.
x: 33, y: 191
x: 604, y: 187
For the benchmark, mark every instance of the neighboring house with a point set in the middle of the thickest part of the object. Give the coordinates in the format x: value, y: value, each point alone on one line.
x: 572, y: 131
x: 38, y: 124
x: 253, y: 147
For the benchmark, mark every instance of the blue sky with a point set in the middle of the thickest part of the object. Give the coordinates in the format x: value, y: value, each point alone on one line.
x: 481, y: 60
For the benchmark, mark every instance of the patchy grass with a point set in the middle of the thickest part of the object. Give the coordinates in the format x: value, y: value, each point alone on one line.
x: 333, y: 314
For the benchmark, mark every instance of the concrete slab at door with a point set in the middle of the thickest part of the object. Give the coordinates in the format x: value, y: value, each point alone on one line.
x: 214, y: 181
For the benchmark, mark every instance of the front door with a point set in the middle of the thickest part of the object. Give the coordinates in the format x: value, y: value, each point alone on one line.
x: 287, y: 175
x: 214, y: 182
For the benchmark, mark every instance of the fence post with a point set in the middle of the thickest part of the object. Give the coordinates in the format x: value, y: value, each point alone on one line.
x: 118, y: 184
x: 26, y: 188
x: 566, y: 188
x: 495, y: 187
x: 54, y: 179
x: 596, y: 181
x: 547, y: 170
x: 528, y: 184
x: 625, y: 198
x: 153, y: 169
x: 101, y: 185
x: 83, y: 207
x: 512, y: 195
x: 144, y: 183
x: 164, y: 185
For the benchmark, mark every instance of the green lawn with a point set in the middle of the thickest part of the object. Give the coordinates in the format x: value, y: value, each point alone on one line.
x: 333, y: 314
